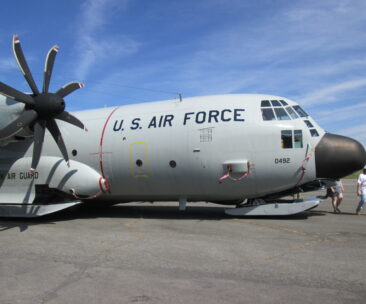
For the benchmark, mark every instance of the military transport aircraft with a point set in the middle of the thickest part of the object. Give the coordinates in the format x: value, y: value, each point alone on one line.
x: 249, y: 151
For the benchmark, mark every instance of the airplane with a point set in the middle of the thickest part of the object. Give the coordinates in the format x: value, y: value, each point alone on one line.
x: 250, y: 152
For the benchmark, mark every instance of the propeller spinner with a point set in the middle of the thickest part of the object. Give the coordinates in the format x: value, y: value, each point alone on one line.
x: 41, y: 109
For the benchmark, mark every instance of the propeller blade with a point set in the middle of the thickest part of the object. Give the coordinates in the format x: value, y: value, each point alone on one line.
x: 39, y: 130
x: 19, y: 56
x: 56, y: 134
x: 66, y: 116
x: 48, y: 67
x: 21, y: 122
x: 69, y: 88
x: 15, y: 94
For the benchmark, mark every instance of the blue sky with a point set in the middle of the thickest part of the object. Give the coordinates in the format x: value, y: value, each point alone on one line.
x: 129, y: 51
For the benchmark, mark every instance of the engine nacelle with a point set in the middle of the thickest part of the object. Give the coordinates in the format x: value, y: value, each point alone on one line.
x: 10, y: 110
x: 52, y: 177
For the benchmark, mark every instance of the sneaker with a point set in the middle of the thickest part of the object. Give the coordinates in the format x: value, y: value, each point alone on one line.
x: 358, y: 212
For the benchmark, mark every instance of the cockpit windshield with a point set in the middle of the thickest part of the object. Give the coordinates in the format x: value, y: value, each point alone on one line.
x: 265, y: 103
x: 268, y: 114
x: 281, y: 114
x: 280, y: 110
x: 275, y: 103
x: 291, y: 112
x: 277, y: 110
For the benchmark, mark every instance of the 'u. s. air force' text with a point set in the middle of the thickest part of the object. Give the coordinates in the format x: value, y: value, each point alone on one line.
x: 168, y: 120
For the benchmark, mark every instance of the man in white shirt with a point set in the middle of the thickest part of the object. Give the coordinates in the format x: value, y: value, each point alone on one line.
x: 361, y: 190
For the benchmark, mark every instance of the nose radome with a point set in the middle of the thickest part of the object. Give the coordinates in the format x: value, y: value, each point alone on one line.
x: 337, y: 156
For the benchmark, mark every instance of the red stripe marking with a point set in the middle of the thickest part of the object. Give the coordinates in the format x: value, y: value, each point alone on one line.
x: 100, y: 184
x: 106, y: 186
x: 101, y: 142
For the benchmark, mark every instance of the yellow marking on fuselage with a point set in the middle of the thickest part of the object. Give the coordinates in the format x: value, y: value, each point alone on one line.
x: 139, y: 173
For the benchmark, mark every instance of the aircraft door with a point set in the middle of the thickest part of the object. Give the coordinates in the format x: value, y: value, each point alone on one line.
x: 139, y: 160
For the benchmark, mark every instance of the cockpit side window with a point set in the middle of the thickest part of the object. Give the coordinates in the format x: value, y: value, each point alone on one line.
x: 291, y: 139
x: 309, y: 124
x: 286, y: 139
x: 314, y: 133
x: 298, y: 139
x: 300, y: 111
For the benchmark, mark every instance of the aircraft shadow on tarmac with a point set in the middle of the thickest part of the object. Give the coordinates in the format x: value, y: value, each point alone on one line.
x: 203, y: 213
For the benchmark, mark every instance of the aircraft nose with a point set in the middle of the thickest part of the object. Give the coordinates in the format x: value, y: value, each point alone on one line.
x: 337, y: 156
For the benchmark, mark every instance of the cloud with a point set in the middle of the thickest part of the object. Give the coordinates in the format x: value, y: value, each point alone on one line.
x: 94, y: 44
x: 286, y: 50
x: 335, y: 67
x: 291, y: 50
x: 96, y: 50
x: 329, y: 94
x: 8, y: 64
x: 360, y: 129
x: 95, y: 13
x: 338, y: 114
x: 357, y: 132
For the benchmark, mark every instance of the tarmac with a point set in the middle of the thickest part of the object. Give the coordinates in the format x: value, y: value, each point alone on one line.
x: 143, y: 253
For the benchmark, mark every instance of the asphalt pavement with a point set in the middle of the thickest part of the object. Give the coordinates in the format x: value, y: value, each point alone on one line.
x: 144, y: 253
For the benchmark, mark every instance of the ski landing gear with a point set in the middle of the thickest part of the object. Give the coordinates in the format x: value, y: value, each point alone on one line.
x: 259, y: 207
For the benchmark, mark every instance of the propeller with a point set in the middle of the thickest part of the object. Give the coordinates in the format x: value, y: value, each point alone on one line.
x: 41, y: 109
